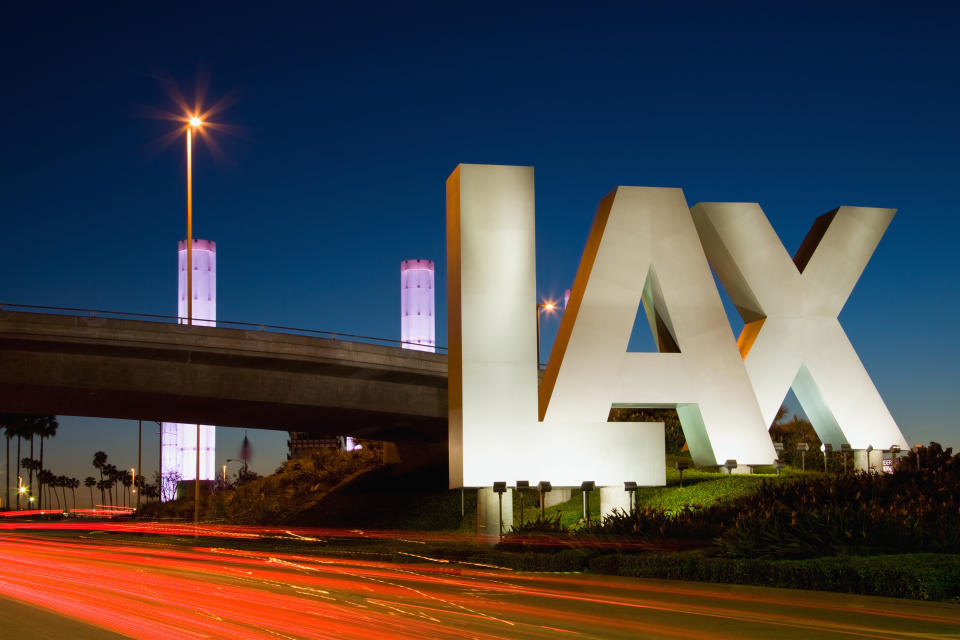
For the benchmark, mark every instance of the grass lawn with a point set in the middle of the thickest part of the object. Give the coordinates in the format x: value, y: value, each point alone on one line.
x: 701, y: 487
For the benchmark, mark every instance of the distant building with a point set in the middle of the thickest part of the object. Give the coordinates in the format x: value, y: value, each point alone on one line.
x: 178, y: 442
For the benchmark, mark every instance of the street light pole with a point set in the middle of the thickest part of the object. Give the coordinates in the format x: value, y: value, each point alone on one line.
x: 190, y: 223
x: 139, y: 460
x: 192, y: 124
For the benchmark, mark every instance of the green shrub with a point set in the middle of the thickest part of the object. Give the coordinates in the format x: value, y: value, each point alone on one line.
x: 298, y: 485
x: 914, y: 576
x: 862, y: 513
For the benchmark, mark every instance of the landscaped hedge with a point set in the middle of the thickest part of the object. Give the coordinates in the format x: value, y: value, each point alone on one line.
x: 914, y: 509
x: 914, y: 576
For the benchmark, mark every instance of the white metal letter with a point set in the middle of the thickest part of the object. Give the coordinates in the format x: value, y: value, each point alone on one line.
x: 643, y: 247
x: 792, y: 335
x: 494, y: 431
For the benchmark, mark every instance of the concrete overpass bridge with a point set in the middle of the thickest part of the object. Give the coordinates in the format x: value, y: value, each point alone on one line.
x: 256, y: 376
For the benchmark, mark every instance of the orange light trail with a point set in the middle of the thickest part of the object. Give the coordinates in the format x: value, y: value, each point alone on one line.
x: 163, y: 591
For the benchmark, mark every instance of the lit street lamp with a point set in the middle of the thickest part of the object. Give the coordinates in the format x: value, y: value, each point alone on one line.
x: 547, y: 306
x: 522, y: 487
x: 586, y: 487
x: 803, y: 447
x: 845, y: 448
x: 543, y: 487
x: 500, y: 488
x: 827, y: 450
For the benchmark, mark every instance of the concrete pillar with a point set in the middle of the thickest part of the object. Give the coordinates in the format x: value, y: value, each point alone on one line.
x: 613, y: 498
x: 488, y: 511
x: 742, y: 469
x: 557, y: 496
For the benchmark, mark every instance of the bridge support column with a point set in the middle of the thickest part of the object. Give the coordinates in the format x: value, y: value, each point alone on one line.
x: 613, y: 498
x: 488, y: 511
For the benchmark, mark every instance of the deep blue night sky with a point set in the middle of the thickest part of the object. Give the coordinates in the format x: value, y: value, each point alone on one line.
x: 349, y: 123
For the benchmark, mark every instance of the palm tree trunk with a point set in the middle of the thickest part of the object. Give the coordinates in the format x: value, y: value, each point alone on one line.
x: 63, y: 488
x: 73, y: 490
x: 91, y: 497
x: 7, y: 503
x: 58, y: 497
x: 41, y: 466
x: 31, y: 466
x: 102, y: 499
x: 18, y: 471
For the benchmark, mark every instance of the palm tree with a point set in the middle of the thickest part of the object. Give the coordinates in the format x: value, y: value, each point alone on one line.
x: 8, y: 434
x: 44, y: 477
x: 90, y: 482
x: 63, y: 482
x: 9, y: 422
x: 23, y: 426
x: 46, y: 427
x: 30, y: 430
x: 111, y: 472
x: 30, y: 465
x: 151, y: 491
x: 74, y: 485
x: 100, y: 459
x: 19, y: 482
x: 126, y: 479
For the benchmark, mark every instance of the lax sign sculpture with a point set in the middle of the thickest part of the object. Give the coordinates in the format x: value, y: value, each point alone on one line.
x: 646, y: 246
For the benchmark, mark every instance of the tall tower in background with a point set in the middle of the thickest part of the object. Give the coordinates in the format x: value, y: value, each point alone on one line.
x: 417, y: 322
x: 178, y: 442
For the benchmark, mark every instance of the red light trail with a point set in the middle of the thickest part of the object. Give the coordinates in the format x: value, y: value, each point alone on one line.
x: 153, y: 590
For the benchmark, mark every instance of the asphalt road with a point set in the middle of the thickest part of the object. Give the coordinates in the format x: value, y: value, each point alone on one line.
x: 77, y: 588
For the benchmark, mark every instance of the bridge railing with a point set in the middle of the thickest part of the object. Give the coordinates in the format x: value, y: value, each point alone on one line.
x: 254, y: 326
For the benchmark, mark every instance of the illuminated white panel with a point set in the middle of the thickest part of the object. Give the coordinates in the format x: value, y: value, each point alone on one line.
x: 187, y: 450
x: 178, y: 442
x: 417, y: 323
x: 204, y: 282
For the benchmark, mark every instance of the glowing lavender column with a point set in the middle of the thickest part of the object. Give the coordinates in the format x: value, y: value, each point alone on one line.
x: 417, y: 323
x: 178, y: 442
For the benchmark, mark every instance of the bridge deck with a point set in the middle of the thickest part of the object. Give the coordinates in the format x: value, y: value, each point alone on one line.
x: 118, y: 368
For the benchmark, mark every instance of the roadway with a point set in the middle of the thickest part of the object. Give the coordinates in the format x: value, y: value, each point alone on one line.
x: 88, y: 585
